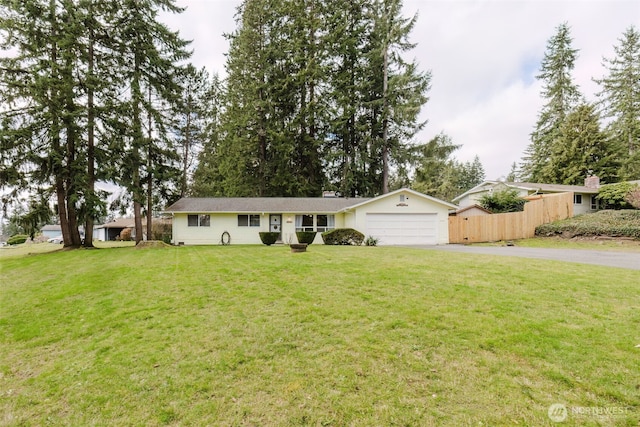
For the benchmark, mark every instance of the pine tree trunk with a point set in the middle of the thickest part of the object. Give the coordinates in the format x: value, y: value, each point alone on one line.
x: 385, y: 123
x: 138, y: 194
x: 137, y: 215
x: 186, y: 143
x: 71, y: 184
x: 91, y: 174
x: 55, y: 134
x: 149, y: 173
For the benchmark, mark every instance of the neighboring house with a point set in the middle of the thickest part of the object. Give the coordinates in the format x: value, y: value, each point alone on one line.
x: 400, y: 217
x: 111, y: 230
x: 584, y: 196
x: 51, y: 230
x: 54, y: 230
x: 472, y: 210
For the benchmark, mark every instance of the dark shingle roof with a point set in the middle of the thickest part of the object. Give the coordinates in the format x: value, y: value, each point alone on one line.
x: 529, y: 186
x: 264, y: 204
x: 119, y: 223
x: 51, y: 227
x: 554, y: 187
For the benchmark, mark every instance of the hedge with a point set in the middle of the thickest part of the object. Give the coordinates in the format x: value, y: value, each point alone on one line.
x: 18, y: 239
x: 306, y: 236
x: 269, y: 237
x: 618, y: 223
x: 343, y: 236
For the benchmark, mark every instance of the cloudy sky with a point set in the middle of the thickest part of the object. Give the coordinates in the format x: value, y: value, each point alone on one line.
x: 483, y: 55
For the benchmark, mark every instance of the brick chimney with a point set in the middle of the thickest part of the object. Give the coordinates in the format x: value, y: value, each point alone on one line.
x: 592, y: 182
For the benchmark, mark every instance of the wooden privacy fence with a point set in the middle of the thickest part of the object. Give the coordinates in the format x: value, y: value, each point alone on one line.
x: 540, y: 209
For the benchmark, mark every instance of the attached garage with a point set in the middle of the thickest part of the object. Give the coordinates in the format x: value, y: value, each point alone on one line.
x: 402, y: 217
x: 403, y: 228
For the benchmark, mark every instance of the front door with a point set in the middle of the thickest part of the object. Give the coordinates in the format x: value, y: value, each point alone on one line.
x: 275, y: 224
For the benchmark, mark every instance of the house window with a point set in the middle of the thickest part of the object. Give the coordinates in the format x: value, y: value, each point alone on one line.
x: 594, y: 203
x: 304, y: 223
x: 577, y: 199
x: 319, y: 223
x: 248, y: 220
x: 199, y: 220
x: 325, y: 223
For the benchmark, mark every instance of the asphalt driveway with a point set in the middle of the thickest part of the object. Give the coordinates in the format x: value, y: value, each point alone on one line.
x: 582, y: 256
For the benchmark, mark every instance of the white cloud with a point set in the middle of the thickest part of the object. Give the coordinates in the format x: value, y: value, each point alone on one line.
x: 483, y: 54
x: 497, y: 130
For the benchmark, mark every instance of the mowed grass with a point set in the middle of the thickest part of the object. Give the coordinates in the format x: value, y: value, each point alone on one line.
x: 11, y: 251
x: 587, y: 243
x: 336, y: 336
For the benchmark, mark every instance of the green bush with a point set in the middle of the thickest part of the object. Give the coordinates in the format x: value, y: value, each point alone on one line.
x: 306, y: 236
x: 371, y: 241
x: 269, y: 237
x: 613, y: 223
x: 633, y: 197
x: 343, y: 236
x: 18, y: 239
x: 125, y: 235
x: 502, y: 201
x: 614, y: 196
x: 161, y: 230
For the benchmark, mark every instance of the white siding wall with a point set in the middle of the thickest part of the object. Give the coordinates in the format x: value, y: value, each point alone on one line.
x: 99, y: 234
x: 350, y: 221
x: 585, y: 206
x: 212, y: 235
x: 412, y: 204
x: 470, y: 199
x: 49, y: 234
x: 221, y: 222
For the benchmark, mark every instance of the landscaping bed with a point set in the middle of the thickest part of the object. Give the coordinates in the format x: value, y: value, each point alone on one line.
x: 607, y: 223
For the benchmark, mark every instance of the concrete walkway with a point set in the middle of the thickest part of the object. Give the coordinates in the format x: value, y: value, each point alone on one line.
x: 607, y: 258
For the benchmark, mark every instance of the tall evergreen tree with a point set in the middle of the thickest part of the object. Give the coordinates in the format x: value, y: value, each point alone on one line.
x: 620, y: 99
x: 150, y: 54
x: 40, y: 134
x: 513, y: 173
x: 435, y: 174
x: 307, y: 128
x: 272, y: 124
x: 100, y: 88
x: 206, y: 176
x: 402, y: 91
x: 582, y: 149
x: 193, y: 115
x: 316, y: 96
x: 439, y: 174
x: 63, y: 125
x: 246, y: 142
x: 471, y: 174
x: 397, y: 90
x: 346, y: 151
x: 562, y: 95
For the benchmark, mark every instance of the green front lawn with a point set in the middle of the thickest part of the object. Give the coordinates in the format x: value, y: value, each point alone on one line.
x: 586, y: 243
x: 361, y: 336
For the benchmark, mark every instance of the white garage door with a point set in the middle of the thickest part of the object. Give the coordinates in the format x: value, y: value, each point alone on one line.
x: 403, y: 229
